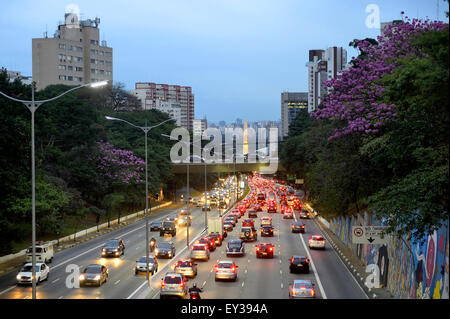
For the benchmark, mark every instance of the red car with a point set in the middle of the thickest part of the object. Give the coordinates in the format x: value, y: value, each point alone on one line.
x: 248, y: 223
x: 206, y: 240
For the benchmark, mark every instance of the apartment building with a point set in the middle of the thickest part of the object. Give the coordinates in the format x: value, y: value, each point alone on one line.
x: 291, y: 104
x: 150, y: 94
x: 74, y: 55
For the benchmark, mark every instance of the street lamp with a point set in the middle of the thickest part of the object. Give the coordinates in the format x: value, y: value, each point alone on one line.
x: 33, y: 106
x: 145, y: 129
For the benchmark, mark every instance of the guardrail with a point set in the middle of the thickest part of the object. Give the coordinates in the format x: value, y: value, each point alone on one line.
x: 82, y: 232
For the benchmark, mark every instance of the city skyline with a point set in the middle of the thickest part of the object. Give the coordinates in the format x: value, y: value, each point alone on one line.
x: 235, y: 69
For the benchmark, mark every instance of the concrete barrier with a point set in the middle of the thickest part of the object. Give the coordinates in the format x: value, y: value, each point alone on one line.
x: 83, y: 232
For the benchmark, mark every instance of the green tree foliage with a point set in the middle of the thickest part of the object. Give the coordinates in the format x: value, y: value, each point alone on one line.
x: 400, y: 173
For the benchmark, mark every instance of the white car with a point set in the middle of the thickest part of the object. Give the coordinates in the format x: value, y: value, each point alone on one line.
x: 317, y: 241
x: 25, y: 274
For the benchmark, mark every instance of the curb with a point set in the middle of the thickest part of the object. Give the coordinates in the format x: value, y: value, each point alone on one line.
x: 353, y: 270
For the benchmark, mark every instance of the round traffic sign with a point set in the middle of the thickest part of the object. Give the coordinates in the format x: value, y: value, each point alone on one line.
x: 358, y: 232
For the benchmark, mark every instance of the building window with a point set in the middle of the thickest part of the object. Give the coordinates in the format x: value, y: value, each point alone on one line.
x: 80, y: 79
x: 93, y: 71
x: 79, y: 59
x: 62, y: 77
x: 62, y: 46
x: 78, y: 69
x: 94, y: 42
x: 70, y: 78
x: 108, y: 54
x: 70, y: 68
x: 108, y: 63
x: 79, y: 49
x: 61, y: 67
x: 102, y: 62
x: 92, y: 51
x: 62, y: 58
x: 100, y: 52
x: 69, y: 58
x: 102, y: 71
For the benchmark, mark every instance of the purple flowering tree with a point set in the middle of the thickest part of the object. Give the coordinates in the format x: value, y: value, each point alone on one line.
x: 356, y: 96
x: 118, y: 165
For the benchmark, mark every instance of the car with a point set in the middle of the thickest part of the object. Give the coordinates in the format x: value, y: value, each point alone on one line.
x: 94, y: 274
x: 208, y: 241
x: 218, y: 238
x: 185, y: 220
x: 206, y: 208
x: 172, y: 218
x: 304, y: 214
x: 168, y: 227
x: 266, y: 221
x: 228, y: 226
x: 288, y: 215
x: 231, y: 220
x: 200, y: 251
x: 173, y: 285
x: 299, y: 264
x: 316, y: 241
x: 248, y: 234
x: 302, y: 289
x: 272, y: 208
x: 185, y: 211
x: 141, y: 265
x: 266, y: 230
x: 113, y: 247
x: 26, y: 273
x: 186, y: 267
x: 155, y: 225
x: 252, y: 213
x: 248, y: 223
x: 298, y: 227
x: 225, y: 269
x: 165, y: 249
x: 264, y: 250
x: 235, y: 247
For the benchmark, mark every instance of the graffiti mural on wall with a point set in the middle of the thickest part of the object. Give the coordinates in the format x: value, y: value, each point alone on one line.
x: 408, y: 269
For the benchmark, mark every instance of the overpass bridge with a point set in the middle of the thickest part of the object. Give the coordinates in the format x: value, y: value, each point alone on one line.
x: 181, y: 168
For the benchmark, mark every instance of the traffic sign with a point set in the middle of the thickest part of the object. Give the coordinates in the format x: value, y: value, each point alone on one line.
x: 369, y: 235
x: 299, y: 181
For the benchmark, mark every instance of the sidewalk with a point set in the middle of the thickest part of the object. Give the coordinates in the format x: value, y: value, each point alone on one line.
x: 353, y: 263
x: 15, y: 263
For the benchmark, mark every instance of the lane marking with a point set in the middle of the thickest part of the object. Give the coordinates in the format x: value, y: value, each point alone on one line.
x: 55, y: 280
x: 12, y: 287
x: 60, y: 297
x: 117, y: 282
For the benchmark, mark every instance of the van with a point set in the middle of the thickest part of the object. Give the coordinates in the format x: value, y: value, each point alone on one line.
x: 44, y: 253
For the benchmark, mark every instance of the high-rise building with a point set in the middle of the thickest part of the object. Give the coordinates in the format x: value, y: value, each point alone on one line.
x: 323, y: 65
x: 13, y: 75
x: 73, y: 56
x: 199, y: 126
x: 151, y: 93
x: 291, y: 104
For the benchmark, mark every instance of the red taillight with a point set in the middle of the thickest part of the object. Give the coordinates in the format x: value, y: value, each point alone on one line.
x: 162, y: 284
x: 182, y: 285
x: 312, y: 293
x: 270, y: 248
x: 233, y: 269
x: 206, y: 247
x: 257, y: 248
x: 293, y: 291
x: 217, y: 268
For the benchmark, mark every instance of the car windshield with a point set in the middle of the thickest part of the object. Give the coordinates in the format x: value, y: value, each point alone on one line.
x: 167, y: 224
x: 29, y: 268
x: 298, y: 285
x: 38, y: 250
x: 299, y: 259
x: 112, y: 243
x: 172, y: 279
x: 185, y: 263
x: 317, y: 238
x: 234, y: 244
x: 164, y: 245
x: 92, y: 270
x: 143, y: 260
x: 156, y: 223
x: 198, y: 247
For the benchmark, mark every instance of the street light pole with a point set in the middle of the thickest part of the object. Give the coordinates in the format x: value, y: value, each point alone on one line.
x: 145, y: 129
x: 33, y: 105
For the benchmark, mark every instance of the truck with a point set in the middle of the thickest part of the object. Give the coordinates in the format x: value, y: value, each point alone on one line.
x: 215, y: 225
x: 44, y: 253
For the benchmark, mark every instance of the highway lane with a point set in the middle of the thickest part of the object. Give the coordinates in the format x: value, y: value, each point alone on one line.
x: 270, y: 278
x: 121, y: 282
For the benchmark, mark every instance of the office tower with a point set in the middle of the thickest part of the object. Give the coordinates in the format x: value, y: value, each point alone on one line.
x: 291, y: 104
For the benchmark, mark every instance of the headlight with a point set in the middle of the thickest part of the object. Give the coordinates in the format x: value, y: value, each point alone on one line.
x: 97, y: 277
x: 104, y: 250
x: 82, y: 277
x: 19, y: 277
x: 156, y: 251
